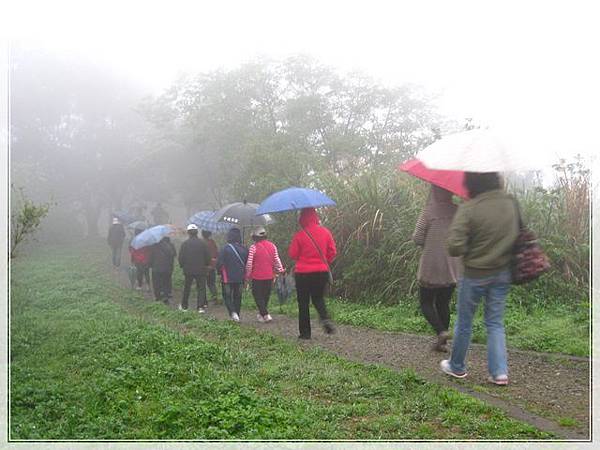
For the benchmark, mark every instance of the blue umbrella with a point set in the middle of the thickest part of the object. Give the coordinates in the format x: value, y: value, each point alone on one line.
x: 292, y: 199
x: 124, y: 217
x: 151, y: 236
x: 205, y: 221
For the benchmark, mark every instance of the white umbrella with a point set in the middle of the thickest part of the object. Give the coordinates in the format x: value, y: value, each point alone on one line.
x: 475, y: 151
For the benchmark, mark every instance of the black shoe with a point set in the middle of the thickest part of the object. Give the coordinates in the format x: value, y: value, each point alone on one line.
x: 328, y: 327
x: 304, y: 337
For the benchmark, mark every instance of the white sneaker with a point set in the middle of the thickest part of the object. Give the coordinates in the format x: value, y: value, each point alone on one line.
x: 181, y: 308
x: 201, y: 311
x: 138, y: 288
x: 445, y: 366
x: 235, y: 317
x: 260, y: 318
x: 268, y: 318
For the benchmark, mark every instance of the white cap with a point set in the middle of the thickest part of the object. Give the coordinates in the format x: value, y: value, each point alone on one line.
x: 192, y: 226
x: 260, y: 232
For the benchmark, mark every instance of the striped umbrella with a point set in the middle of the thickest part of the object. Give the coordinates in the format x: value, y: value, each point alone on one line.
x: 205, y: 221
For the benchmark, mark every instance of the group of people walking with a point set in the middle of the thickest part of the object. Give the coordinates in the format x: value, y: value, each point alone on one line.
x: 469, y: 245
x: 312, y: 248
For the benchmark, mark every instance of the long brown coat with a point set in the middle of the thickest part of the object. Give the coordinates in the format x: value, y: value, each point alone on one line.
x: 436, y: 267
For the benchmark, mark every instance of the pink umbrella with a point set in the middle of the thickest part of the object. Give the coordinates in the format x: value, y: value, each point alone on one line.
x: 451, y: 180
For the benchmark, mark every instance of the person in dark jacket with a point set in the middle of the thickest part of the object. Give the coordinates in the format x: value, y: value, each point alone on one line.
x: 231, y: 264
x: 313, y: 249
x: 211, y: 275
x: 161, y: 261
x: 483, y: 232
x: 194, y: 260
x: 140, y: 258
x: 116, y: 236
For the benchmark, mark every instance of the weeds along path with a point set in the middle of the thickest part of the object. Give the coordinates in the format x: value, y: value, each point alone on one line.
x: 551, y: 392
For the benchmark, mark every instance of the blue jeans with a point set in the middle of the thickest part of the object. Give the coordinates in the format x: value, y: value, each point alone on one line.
x: 471, y: 290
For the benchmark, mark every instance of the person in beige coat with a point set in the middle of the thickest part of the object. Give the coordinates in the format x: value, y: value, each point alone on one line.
x: 438, y: 272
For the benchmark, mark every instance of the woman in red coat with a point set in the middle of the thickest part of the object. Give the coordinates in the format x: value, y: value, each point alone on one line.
x: 313, y: 249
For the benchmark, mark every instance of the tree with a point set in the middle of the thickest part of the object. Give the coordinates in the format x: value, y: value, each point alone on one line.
x: 74, y: 130
x: 25, y: 218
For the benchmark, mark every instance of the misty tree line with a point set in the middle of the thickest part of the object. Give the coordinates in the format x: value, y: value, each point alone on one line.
x: 92, y: 142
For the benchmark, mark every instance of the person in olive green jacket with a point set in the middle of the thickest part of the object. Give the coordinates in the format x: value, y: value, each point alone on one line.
x: 483, y: 232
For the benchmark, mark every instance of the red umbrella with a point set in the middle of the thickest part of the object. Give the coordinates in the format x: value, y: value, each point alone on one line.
x: 451, y: 180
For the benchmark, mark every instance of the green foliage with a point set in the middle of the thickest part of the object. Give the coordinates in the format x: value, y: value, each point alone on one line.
x: 25, y: 218
x: 90, y: 360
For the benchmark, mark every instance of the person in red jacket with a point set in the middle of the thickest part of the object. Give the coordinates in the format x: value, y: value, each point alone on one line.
x: 313, y: 249
x: 263, y: 262
x: 140, y: 258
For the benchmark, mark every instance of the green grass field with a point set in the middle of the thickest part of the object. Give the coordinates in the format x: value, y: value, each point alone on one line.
x: 91, y: 360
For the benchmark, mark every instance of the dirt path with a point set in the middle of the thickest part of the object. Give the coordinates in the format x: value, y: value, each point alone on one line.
x: 545, y: 389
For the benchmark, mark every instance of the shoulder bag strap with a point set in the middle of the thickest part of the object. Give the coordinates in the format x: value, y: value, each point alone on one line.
x: 317, y: 247
x: 237, y: 254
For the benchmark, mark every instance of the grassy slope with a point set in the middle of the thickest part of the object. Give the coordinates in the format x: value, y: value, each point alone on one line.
x: 90, y: 360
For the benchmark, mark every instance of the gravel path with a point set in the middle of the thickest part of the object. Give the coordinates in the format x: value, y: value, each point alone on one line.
x: 544, y: 388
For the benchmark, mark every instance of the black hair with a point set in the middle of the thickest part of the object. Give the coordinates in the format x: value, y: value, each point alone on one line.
x: 193, y: 232
x: 206, y: 234
x: 480, y: 182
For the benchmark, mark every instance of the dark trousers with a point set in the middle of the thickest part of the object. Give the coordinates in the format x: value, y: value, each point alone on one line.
x: 161, y: 283
x: 200, y: 287
x: 435, y: 304
x: 116, y: 255
x: 142, y: 272
x: 310, y: 286
x: 211, y: 283
x: 261, y: 291
x: 232, y: 297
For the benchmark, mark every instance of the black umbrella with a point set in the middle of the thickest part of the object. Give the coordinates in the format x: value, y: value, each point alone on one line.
x: 242, y: 214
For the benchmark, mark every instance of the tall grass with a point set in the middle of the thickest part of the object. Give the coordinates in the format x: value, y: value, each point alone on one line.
x: 377, y: 211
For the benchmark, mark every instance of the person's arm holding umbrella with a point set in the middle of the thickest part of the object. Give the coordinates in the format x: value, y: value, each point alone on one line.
x: 278, y: 266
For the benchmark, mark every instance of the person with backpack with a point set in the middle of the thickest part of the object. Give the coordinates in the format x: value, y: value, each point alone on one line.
x: 313, y: 248
x: 194, y: 260
x: 263, y: 262
x: 162, y: 257
x: 211, y: 275
x: 140, y: 258
x: 116, y: 236
x: 231, y: 264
